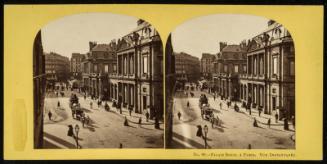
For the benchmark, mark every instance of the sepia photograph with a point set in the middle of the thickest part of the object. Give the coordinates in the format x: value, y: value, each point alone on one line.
x: 230, y: 84
x: 98, y: 83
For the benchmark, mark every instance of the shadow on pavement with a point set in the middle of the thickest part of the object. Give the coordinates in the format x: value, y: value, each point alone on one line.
x: 86, y: 110
x: 59, y: 140
x: 187, y: 140
x: 91, y: 126
x: 145, y: 128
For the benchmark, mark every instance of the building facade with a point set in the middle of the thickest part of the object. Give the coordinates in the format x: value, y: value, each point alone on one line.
x: 97, y: 64
x: 187, y: 67
x: 137, y: 82
x: 56, y: 68
x: 206, y: 65
x: 229, y: 64
x: 75, y: 64
x: 270, y: 79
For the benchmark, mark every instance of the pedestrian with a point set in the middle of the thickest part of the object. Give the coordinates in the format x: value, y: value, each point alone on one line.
x: 188, y: 104
x: 179, y: 114
x: 84, y: 97
x: 58, y: 104
x: 236, y: 107
x: 214, y: 97
x: 255, y: 123
x: 156, y: 123
x: 217, y: 121
x: 87, y: 121
x: 126, y: 121
x: 286, y: 124
x: 268, y: 123
x: 130, y: 111
x: 120, y: 145
x: 212, y: 119
x: 293, y: 122
x: 276, y: 117
x: 220, y: 104
x: 73, y: 113
x: 147, y: 115
x: 70, y: 131
x: 106, y: 107
x: 250, y: 111
x: 50, y: 115
x: 91, y: 104
x: 83, y: 121
x: 199, y: 132
x: 140, y: 121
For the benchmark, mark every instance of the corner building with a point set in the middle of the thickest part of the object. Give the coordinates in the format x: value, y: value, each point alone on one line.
x: 137, y: 83
x: 187, y: 68
x: 97, y: 64
x: 270, y: 79
x: 228, y: 66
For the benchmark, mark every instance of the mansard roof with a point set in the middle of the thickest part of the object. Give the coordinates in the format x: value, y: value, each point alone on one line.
x: 103, y: 47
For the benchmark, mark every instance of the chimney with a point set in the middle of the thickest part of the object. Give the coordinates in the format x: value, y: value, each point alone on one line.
x: 222, y: 45
x: 92, y: 45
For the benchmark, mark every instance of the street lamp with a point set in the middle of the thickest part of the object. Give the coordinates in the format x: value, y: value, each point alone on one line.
x: 205, y: 128
x: 76, y: 130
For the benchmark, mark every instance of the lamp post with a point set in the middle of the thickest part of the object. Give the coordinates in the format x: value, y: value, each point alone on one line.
x: 249, y: 103
x: 77, y: 130
x: 205, y: 128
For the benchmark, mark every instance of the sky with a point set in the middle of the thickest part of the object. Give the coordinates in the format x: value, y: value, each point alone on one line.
x: 203, y: 34
x: 73, y: 33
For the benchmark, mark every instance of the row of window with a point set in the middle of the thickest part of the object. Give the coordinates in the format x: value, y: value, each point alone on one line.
x: 95, y: 68
x: 233, y: 68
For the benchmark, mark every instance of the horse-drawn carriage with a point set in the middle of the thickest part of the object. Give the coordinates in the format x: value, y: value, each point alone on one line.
x: 77, y: 112
x: 206, y: 112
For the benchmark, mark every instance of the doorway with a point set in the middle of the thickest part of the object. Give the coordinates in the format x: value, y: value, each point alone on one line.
x: 144, y: 103
x: 274, y: 103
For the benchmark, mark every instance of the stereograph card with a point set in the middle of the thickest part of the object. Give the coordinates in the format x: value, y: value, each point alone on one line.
x: 163, y: 82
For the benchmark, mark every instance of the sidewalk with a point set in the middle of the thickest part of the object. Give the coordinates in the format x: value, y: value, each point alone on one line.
x: 134, y: 118
x: 263, y: 119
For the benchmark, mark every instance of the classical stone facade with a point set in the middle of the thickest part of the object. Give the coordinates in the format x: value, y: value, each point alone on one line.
x: 97, y: 64
x: 187, y: 67
x: 270, y: 79
x: 137, y: 82
x: 229, y: 64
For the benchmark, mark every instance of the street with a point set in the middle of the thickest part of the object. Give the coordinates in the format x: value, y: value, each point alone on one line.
x: 236, y: 130
x: 105, y: 130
